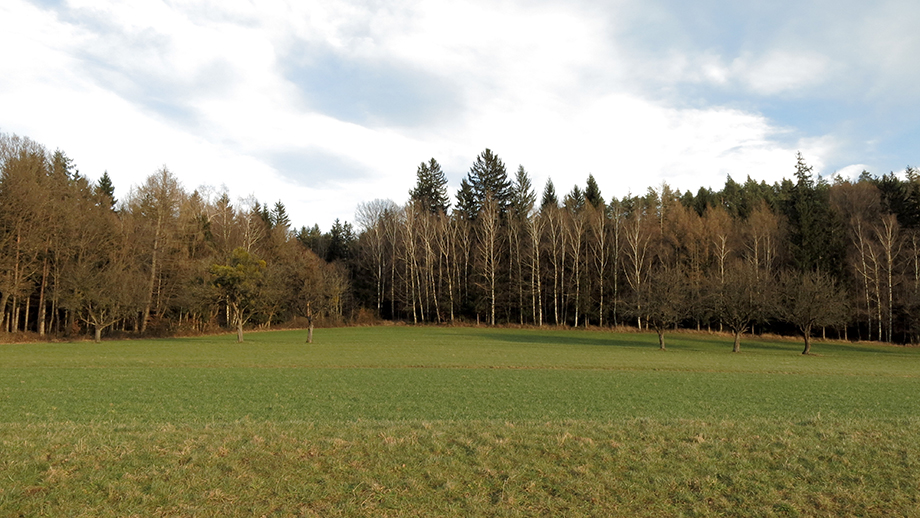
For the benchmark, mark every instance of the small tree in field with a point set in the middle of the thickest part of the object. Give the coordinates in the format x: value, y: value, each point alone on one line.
x: 240, y: 284
x: 741, y: 299
x: 665, y: 300
x: 808, y: 300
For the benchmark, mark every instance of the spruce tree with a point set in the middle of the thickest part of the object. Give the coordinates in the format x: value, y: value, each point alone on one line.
x: 105, y: 189
x: 593, y: 193
x: 575, y: 200
x: 523, y: 197
x: 466, y: 201
x: 549, y: 195
x: 279, y: 216
x: 815, y: 232
x: 489, y: 180
x: 430, y: 190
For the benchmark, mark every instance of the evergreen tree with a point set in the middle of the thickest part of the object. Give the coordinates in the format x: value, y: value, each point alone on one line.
x: 593, y: 193
x: 430, y: 190
x: 575, y: 200
x: 523, y: 197
x: 489, y: 180
x: 279, y: 216
x: 62, y: 165
x: 549, y: 195
x: 731, y: 197
x: 105, y: 189
x: 815, y: 234
x: 313, y: 239
x: 466, y: 201
x: 902, y: 197
x: 340, y: 238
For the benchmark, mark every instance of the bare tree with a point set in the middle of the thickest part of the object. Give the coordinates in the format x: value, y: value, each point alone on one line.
x: 638, y: 257
x: 664, y: 300
x: 489, y: 251
x: 157, y: 204
x: 370, y: 217
x: 599, y: 244
x: 888, y: 234
x: 808, y: 300
x: 555, y: 249
x: 744, y: 299
x: 22, y: 208
x: 574, y: 225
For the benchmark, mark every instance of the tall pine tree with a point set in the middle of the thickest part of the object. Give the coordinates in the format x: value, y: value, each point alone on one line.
x: 430, y: 190
x: 815, y: 233
x: 593, y: 193
x: 549, y: 195
x: 489, y: 180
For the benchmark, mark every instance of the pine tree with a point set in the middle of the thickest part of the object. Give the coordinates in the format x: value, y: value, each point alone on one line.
x: 466, y: 201
x: 593, y: 193
x: 63, y: 165
x: 279, y: 216
x: 430, y: 190
x: 105, y: 189
x: 549, y: 195
x: 340, y: 238
x: 815, y: 234
x: 523, y: 197
x: 575, y: 200
x: 489, y: 180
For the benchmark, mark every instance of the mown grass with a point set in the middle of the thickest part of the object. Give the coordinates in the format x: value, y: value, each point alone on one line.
x: 458, y: 421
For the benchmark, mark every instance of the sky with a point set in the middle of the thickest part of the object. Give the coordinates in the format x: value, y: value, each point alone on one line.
x: 325, y: 105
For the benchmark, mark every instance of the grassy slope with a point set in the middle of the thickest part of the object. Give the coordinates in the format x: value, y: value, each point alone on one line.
x: 421, y: 421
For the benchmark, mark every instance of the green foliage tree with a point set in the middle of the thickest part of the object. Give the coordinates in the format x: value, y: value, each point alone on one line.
x: 466, y: 207
x: 902, y: 197
x: 340, y: 239
x: 430, y: 190
x: 239, y: 282
x: 279, y: 216
x: 488, y: 179
x: 105, y: 190
x: 593, y: 193
x: 815, y: 232
x: 523, y: 196
x: 549, y: 197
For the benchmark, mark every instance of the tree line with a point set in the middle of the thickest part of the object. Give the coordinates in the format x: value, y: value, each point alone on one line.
x: 160, y: 261
x: 804, y: 254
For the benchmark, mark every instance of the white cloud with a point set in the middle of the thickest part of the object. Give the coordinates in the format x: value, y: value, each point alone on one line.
x: 546, y: 86
x: 781, y: 71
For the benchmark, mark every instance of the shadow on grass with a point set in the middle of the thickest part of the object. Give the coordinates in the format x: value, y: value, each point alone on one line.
x: 572, y: 338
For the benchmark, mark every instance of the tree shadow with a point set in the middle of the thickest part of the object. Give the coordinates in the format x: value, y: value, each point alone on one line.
x: 573, y: 338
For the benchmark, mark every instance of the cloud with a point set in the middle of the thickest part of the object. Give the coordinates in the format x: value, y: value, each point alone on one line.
x: 327, y: 104
x: 781, y: 72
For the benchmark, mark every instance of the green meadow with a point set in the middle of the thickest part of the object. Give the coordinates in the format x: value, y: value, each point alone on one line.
x: 422, y: 421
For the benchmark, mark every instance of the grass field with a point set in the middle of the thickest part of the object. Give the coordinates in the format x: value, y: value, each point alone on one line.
x: 407, y: 421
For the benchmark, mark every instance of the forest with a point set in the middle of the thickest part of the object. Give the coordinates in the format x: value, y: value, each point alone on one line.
x: 807, y: 256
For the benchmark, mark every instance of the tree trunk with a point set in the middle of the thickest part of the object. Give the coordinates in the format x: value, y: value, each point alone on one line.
x: 151, y: 283
x: 310, y: 327
x: 4, y: 299
x: 807, y: 333
x: 41, y: 299
x: 239, y: 331
x: 737, y: 347
x: 661, y: 339
x: 98, y: 333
